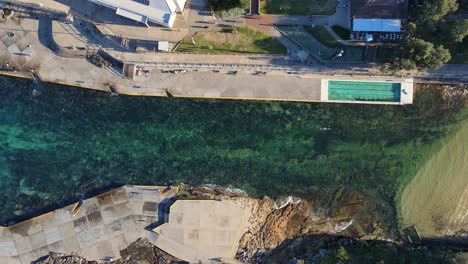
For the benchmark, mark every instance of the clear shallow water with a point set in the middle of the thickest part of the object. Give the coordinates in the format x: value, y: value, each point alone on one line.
x: 66, y: 141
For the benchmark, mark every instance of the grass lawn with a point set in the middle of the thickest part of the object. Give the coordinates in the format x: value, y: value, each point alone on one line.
x: 341, y: 31
x: 322, y: 35
x: 298, y: 7
x: 247, y: 40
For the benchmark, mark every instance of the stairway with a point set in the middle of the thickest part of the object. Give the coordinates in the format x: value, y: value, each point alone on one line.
x: 254, y: 7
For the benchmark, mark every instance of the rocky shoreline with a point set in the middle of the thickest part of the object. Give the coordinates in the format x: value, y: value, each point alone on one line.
x: 288, y: 230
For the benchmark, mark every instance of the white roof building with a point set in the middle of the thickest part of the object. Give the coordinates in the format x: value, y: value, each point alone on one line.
x: 162, y: 12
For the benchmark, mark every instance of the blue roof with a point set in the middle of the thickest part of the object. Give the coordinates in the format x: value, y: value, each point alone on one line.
x: 376, y: 25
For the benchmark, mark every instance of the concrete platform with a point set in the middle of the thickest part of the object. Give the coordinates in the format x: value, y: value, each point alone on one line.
x: 200, y: 230
x: 244, y: 86
x: 100, y: 228
x: 50, y: 4
x: 206, y: 76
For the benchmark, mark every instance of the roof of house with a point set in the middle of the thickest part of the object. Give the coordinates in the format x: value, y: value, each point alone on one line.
x: 384, y: 9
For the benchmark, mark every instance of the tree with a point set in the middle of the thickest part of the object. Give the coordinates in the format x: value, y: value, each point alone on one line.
x: 416, y: 53
x: 434, y: 10
x: 411, y: 27
x: 459, y: 30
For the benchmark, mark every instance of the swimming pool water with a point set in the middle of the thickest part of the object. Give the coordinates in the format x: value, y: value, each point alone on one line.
x: 363, y: 91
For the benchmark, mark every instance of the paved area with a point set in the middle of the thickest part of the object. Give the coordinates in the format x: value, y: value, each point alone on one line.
x: 18, y: 41
x: 245, y: 86
x: 207, y: 76
x: 198, y: 231
x: 52, y: 4
x: 197, y: 16
x: 203, y: 58
x: 99, y: 228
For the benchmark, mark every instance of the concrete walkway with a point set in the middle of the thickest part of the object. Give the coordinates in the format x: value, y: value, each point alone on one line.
x: 99, y: 228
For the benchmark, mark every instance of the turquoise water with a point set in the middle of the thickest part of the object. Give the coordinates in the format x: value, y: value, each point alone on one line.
x: 364, y: 91
x: 64, y: 142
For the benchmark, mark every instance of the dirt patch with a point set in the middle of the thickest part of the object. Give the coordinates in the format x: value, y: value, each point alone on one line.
x: 436, y: 200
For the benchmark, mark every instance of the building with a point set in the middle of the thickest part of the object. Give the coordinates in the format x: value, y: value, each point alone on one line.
x: 378, y: 19
x: 161, y: 12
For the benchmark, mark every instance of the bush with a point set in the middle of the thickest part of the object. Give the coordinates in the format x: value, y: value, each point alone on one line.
x: 99, y: 61
x: 223, y: 5
x: 415, y: 53
x: 237, y: 11
x: 434, y: 11
x: 459, y: 30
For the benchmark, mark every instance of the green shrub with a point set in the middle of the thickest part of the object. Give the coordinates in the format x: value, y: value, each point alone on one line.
x: 237, y: 11
x: 218, y: 6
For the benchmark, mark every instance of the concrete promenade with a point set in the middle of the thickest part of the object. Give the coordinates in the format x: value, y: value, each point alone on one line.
x: 24, y: 46
x: 225, y: 76
x: 99, y: 227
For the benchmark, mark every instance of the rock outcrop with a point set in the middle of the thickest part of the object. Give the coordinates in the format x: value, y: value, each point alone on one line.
x: 339, y: 212
x: 276, y: 223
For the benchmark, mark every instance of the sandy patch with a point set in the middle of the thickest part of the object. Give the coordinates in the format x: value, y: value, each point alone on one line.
x: 436, y: 200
